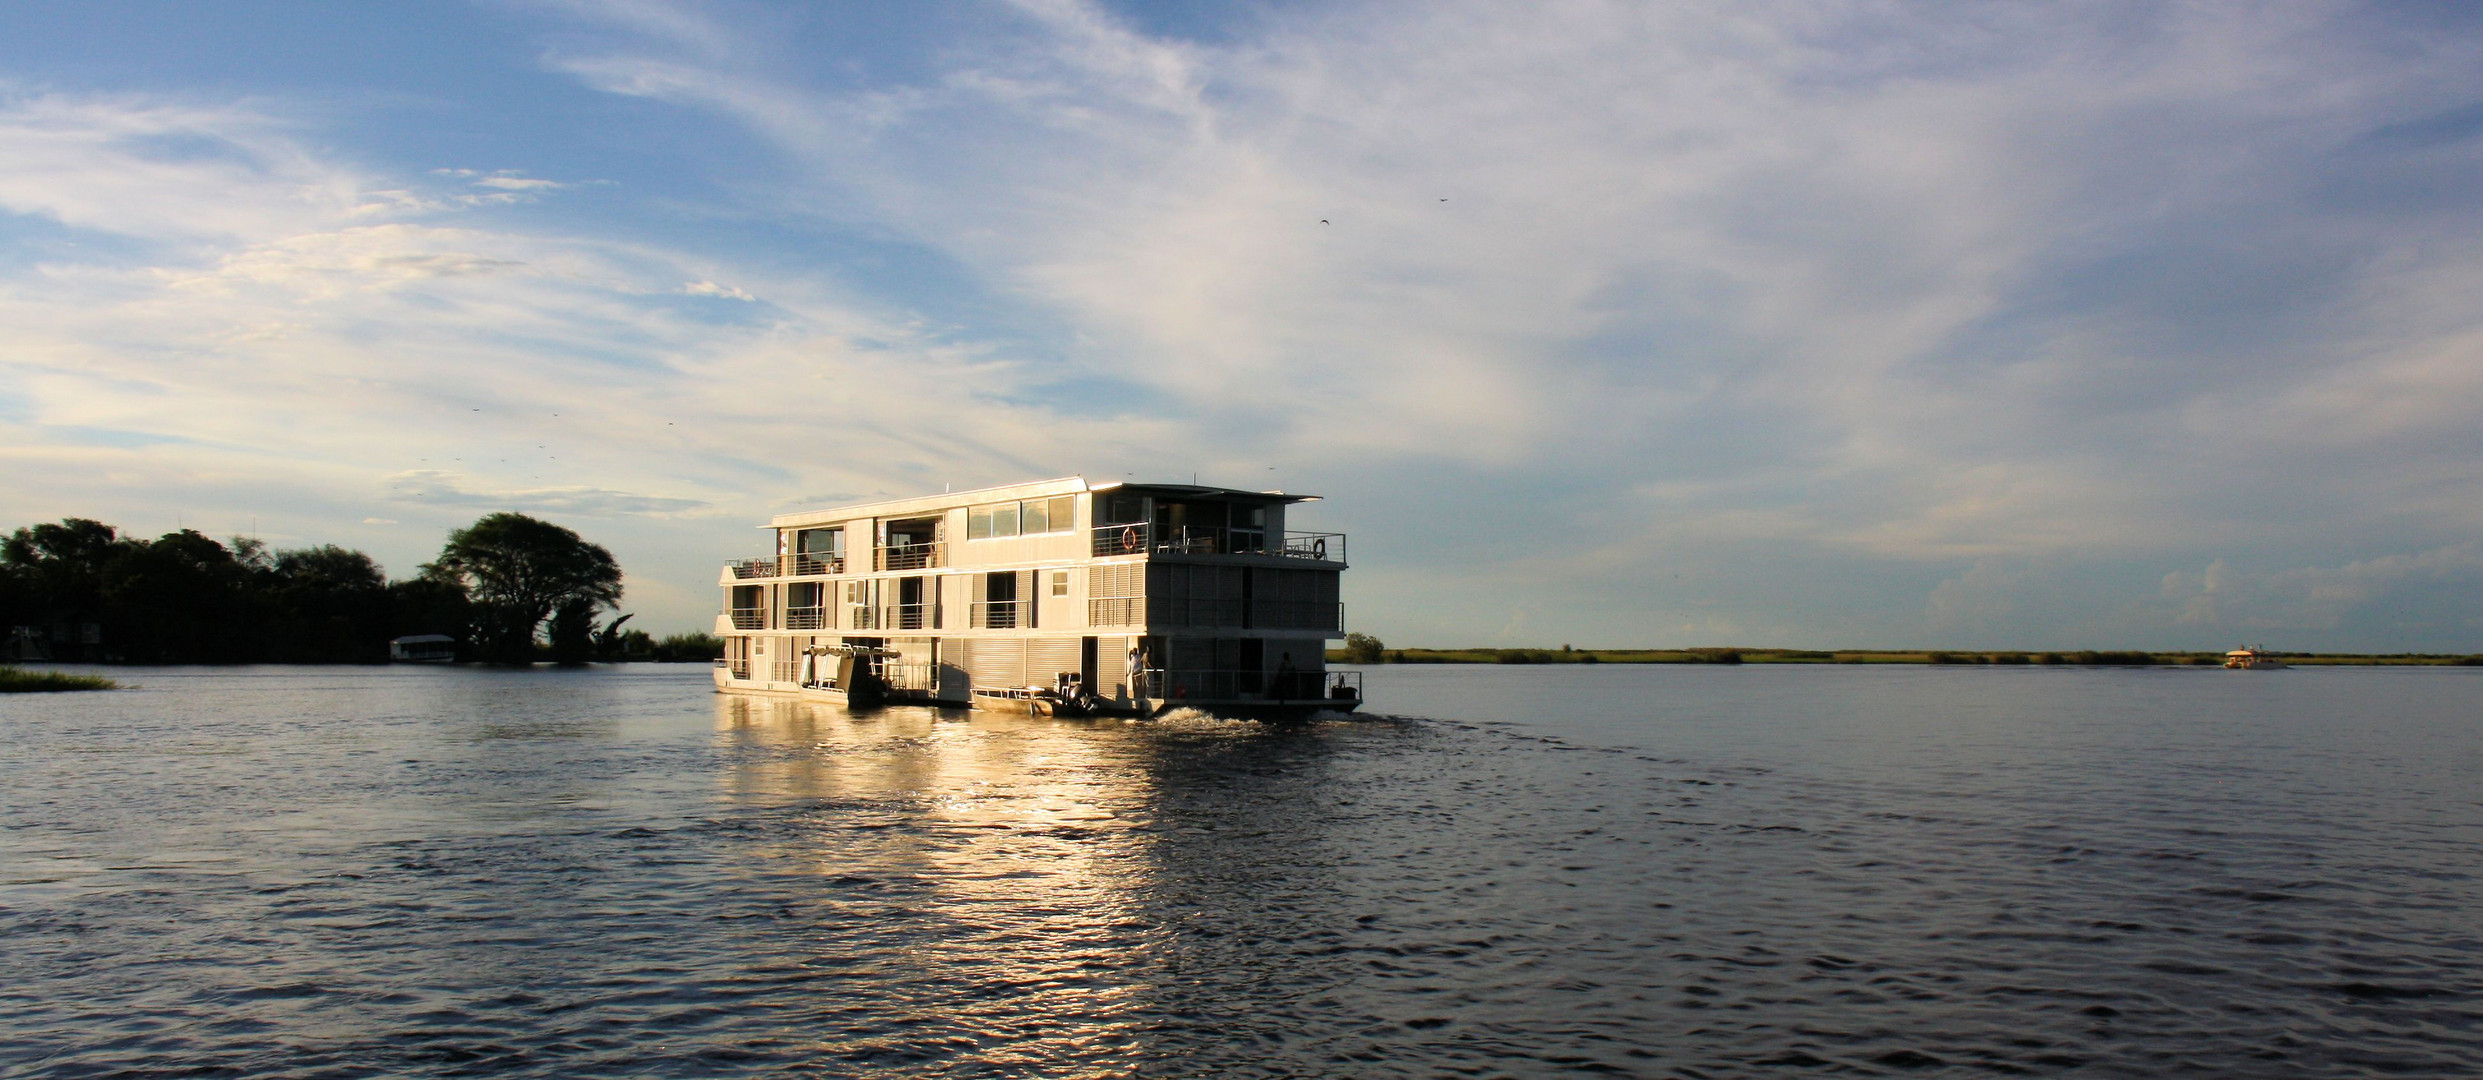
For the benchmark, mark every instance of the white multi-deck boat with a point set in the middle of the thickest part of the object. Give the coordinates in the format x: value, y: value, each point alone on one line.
x: 2252, y: 656
x: 1056, y: 596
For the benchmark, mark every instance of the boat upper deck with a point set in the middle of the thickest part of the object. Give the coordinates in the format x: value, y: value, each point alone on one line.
x: 1043, y: 523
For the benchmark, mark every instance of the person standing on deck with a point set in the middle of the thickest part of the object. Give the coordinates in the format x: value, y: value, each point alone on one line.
x: 1137, y: 675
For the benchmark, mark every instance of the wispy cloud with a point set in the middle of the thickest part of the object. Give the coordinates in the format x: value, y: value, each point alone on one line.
x: 2423, y: 592
x: 160, y: 170
x: 439, y: 488
x: 321, y: 363
x: 519, y: 183
x: 709, y: 288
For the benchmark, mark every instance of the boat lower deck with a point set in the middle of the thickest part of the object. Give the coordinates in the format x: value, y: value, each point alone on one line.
x: 1024, y: 703
x: 1277, y: 695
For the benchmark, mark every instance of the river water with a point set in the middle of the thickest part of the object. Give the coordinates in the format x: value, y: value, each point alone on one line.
x: 1648, y: 871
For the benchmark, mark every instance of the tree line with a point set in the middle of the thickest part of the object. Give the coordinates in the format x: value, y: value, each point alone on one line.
x: 507, y: 589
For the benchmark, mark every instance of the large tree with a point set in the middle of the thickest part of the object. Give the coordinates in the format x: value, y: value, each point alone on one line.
x: 326, y: 604
x: 518, y: 571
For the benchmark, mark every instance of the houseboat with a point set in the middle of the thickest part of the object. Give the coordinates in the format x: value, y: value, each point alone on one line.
x: 2252, y: 656
x: 422, y: 649
x: 1056, y: 596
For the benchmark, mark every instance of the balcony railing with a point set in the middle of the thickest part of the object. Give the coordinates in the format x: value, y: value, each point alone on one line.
x: 1324, y: 547
x: 998, y: 614
x: 1116, y: 611
x: 911, y: 556
x: 740, y: 669
x: 749, y: 618
x: 897, y: 617
x: 1181, y: 684
x: 806, y: 618
x: 798, y: 564
x: 1253, y: 614
x: 784, y: 671
x: 1143, y: 538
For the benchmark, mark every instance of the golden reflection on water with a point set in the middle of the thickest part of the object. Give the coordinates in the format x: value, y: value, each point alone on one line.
x: 1015, y: 847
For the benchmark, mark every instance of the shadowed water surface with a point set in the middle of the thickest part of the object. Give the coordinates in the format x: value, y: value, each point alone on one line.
x: 1678, y: 871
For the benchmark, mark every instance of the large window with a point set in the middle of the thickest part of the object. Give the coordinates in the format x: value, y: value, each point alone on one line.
x: 1020, y: 518
x: 824, y: 543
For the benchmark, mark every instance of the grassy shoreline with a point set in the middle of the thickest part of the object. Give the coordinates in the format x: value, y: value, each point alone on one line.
x: 1943, y: 657
x: 16, y: 680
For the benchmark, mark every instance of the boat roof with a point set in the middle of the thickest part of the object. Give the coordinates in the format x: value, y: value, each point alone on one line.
x: 1032, y: 489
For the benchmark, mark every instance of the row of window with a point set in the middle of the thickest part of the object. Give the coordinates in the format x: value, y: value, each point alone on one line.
x: 1057, y: 514
x: 867, y: 591
x: 1053, y: 515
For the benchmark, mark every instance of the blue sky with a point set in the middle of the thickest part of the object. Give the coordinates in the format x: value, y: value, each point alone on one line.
x: 1815, y: 324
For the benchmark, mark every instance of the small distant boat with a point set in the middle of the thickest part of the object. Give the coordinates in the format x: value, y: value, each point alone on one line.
x: 2255, y: 656
x: 422, y: 649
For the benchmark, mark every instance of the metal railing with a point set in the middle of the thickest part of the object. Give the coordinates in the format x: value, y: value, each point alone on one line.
x: 1322, y: 547
x: 739, y: 668
x: 910, y: 556
x: 806, y: 618
x: 1219, y: 684
x: 1116, y: 611
x: 749, y: 618
x: 897, y: 617
x: 1127, y: 539
x: 784, y: 670
x: 798, y: 564
x: 997, y: 614
x: 1144, y: 538
x: 910, y: 676
x: 897, y: 676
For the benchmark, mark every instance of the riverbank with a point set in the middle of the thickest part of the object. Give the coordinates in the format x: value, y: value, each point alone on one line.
x: 2084, y: 658
x: 21, y: 681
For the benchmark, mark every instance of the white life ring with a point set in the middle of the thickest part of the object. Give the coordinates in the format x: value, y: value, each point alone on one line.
x: 1129, y: 539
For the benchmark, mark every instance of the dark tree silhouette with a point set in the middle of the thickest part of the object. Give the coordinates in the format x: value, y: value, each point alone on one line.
x: 77, y: 590
x: 331, y: 605
x: 519, y: 571
x: 182, y: 596
x: 1364, y: 649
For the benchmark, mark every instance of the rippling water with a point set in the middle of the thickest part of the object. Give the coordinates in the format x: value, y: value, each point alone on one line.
x: 1678, y: 871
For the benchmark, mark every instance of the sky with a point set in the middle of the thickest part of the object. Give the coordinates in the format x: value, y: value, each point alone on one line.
x: 1815, y: 324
